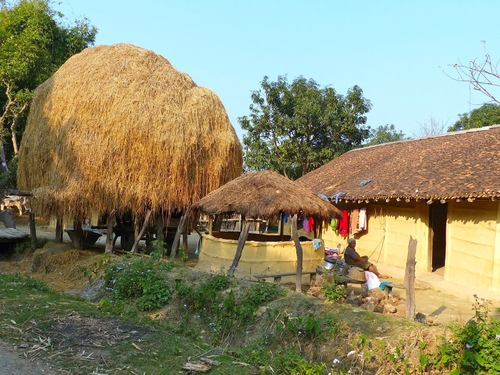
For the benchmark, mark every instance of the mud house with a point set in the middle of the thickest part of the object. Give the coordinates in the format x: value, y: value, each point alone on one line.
x: 443, y: 191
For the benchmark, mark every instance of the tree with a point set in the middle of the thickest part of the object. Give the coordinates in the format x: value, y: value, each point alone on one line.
x: 431, y: 128
x: 482, y: 75
x: 384, y: 134
x: 295, y: 128
x: 34, y: 43
x: 486, y: 115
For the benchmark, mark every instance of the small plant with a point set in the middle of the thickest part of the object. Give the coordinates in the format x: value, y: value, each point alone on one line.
x: 474, y: 347
x: 334, y: 291
x: 141, y: 280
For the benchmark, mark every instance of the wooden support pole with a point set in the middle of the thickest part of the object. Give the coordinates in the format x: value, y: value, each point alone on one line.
x: 59, y: 229
x: 141, y: 233
x: 160, y: 224
x: 298, y: 248
x: 108, y: 247
x: 178, y: 233
x: 409, y: 281
x: 32, y: 229
x: 239, y: 250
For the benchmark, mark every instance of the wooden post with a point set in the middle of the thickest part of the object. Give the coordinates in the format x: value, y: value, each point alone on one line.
x: 239, y: 250
x: 32, y: 229
x: 298, y: 248
x: 178, y: 233
x: 282, y: 223
x: 78, y: 239
x: 409, y: 281
x: 159, y: 223
x: 59, y: 229
x: 108, y: 247
x: 141, y: 233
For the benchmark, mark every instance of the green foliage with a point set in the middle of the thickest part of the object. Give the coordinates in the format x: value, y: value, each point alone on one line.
x: 295, y: 128
x: 474, y: 347
x: 217, y: 304
x: 384, y: 134
x: 486, y: 115
x: 334, y: 291
x: 8, y: 180
x: 139, y: 280
x: 34, y: 42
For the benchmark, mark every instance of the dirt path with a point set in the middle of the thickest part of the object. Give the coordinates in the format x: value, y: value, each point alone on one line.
x: 12, y: 362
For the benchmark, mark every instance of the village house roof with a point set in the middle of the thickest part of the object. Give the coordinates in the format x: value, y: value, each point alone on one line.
x: 458, y: 165
x: 264, y: 194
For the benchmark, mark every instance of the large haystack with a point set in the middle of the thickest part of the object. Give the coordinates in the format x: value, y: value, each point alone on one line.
x: 117, y: 127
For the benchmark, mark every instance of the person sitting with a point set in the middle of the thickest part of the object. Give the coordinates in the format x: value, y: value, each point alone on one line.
x: 352, y: 258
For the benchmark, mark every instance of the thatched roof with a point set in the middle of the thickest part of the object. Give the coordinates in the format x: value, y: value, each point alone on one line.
x: 459, y: 165
x: 264, y: 194
x: 117, y: 127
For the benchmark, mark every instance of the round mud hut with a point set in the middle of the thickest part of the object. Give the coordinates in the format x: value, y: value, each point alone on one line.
x: 117, y: 130
x: 240, y: 236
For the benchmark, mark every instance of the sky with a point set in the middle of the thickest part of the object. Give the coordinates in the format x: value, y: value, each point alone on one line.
x: 399, y: 52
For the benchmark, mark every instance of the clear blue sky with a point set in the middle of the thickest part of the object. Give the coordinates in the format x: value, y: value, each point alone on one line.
x: 395, y: 51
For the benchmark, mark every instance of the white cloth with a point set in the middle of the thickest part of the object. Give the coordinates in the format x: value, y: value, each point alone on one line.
x: 372, y: 281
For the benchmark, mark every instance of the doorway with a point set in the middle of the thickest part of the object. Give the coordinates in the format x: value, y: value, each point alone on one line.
x: 437, y: 234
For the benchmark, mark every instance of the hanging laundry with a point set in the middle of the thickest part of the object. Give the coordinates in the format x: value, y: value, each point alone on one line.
x: 311, y: 222
x: 317, y: 244
x: 344, y: 224
x: 334, y: 223
x: 362, y: 219
x: 285, y: 218
x: 354, y: 221
x: 306, y: 225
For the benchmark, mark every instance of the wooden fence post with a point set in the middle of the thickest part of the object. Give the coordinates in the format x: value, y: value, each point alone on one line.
x: 409, y: 281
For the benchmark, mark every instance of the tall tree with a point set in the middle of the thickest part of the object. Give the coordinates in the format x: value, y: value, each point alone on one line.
x: 384, y: 134
x: 487, y: 114
x: 295, y: 128
x: 34, y: 43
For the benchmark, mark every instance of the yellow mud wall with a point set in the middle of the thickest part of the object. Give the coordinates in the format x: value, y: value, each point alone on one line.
x: 473, y: 244
x: 216, y: 255
x: 386, y: 239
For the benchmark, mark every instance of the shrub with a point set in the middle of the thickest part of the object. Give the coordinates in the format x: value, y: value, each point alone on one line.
x: 141, y: 280
x: 333, y: 290
x: 474, y: 347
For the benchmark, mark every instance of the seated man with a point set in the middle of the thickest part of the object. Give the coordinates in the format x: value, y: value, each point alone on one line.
x: 352, y: 258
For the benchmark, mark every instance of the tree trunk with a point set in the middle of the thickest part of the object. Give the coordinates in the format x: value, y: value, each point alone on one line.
x: 159, y: 224
x: 298, y: 248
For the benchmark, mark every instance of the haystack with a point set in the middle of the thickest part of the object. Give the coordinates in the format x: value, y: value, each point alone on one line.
x: 118, y: 128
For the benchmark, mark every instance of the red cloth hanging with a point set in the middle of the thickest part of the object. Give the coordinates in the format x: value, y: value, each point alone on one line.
x: 344, y: 224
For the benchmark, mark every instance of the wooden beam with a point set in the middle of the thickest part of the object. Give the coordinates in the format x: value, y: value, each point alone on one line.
x: 409, y: 281
x: 298, y: 249
x: 108, y: 247
x: 141, y: 233
x: 239, y: 250
x: 180, y: 229
x: 59, y: 229
x: 32, y: 229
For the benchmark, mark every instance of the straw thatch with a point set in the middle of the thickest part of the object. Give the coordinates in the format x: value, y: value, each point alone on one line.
x: 117, y: 127
x: 265, y: 194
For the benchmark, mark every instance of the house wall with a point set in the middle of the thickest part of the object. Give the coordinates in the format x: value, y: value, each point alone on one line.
x: 472, y: 239
x: 217, y: 254
x: 390, y: 226
x: 473, y: 244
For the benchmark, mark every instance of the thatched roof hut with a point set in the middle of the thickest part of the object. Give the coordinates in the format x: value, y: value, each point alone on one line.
x: 118, y: 128
x: 265, y: 194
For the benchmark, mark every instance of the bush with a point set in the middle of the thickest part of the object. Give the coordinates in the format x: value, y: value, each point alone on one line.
x: 139, y: 279
x: 475, y: 347
x: 333, y: 291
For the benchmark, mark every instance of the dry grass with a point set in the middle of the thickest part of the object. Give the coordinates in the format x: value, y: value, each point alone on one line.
x: 117, y: 127
x: 265, y: 194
